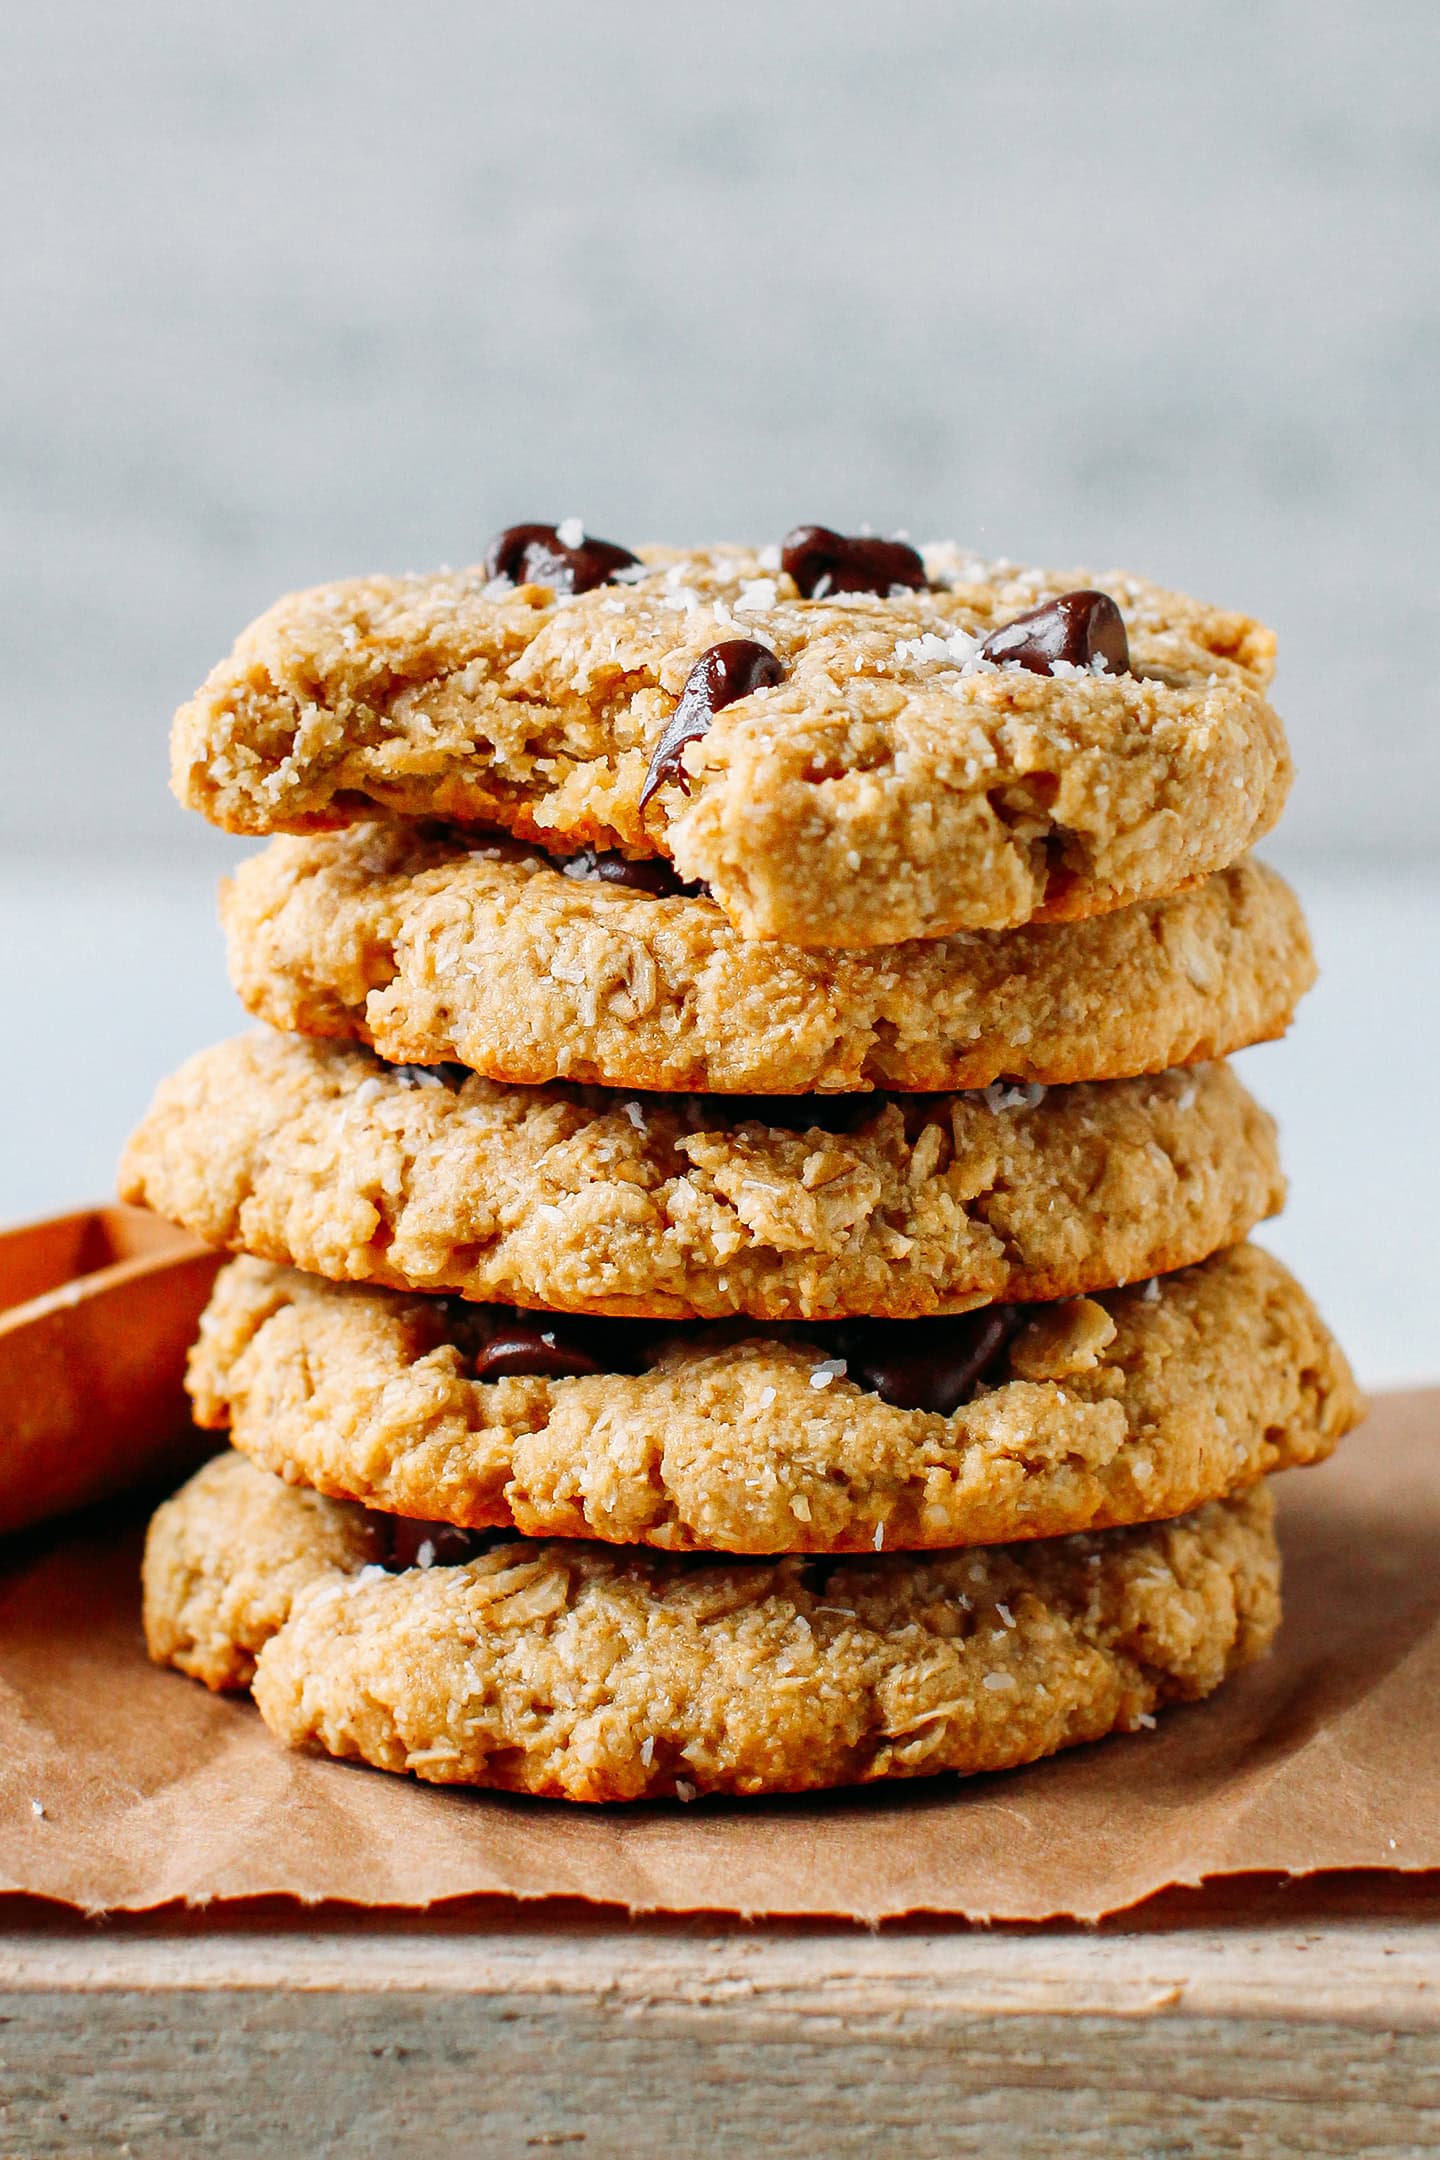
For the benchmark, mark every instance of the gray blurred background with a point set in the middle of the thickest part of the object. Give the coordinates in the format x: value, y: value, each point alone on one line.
x: 293, y: 291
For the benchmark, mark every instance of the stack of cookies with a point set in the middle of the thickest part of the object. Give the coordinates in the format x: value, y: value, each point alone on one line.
x: 741, y: 1202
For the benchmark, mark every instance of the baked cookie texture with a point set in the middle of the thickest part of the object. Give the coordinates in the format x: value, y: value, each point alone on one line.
x: 1127, y: 1407
x: 318, y: 1155
x: 892, y: 785
x: 413, y: 939
x: 575, y: 1671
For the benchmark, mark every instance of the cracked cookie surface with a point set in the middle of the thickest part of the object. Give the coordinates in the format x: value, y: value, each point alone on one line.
x: 588, y: 1674
x: 412, y: 938
x: 891, y: 786
x: 1128, y: 1407
x: 319, y: 1155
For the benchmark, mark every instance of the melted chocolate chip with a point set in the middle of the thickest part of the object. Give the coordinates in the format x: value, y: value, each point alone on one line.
x: 654, y: 875
x: 719, y: 678
x: 500, y: 1340
x: 929, y: 1364
x: 823, y: 562
x: 535, y: 1343
x: 406, y: 1542
x: 1078, y: 627
x: 536, y: 555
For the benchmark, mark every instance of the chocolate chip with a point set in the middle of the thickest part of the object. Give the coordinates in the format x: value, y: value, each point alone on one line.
x: 823, y: 562
x: 654, y: 875
x: 410, y: 1543
x: 928, y: 1364
x: 719, y: 677
x: 536, y: 555
x: 1078, y: 627
x: 549, y: 1348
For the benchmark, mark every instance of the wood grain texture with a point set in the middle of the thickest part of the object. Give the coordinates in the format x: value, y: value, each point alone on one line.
x: 1296, y: 2025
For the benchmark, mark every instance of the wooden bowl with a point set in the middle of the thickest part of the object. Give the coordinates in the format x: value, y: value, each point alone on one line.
x: 97, y: 1313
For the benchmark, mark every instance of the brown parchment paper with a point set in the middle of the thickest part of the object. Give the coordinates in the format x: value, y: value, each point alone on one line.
x: 1326, y: 1756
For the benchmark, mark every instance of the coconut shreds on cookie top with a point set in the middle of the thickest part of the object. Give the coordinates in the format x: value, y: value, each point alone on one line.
x: 885, y: 779
x: 1119, y: 1408
x: 413, y: 938
x: 591, y: 1674
x: 318, y: 1155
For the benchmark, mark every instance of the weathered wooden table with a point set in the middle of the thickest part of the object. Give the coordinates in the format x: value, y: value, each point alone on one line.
x: 1249, y: 2020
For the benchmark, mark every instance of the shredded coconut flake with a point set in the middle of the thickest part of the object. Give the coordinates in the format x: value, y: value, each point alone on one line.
x: 684, y: 1790
x: 37, y: 1809
x: 879, y: 1538
x: 1006, y: 1615
x: 1023, y: 1095
x: 1147, y: 1720
x: 767, y: 1396
x: 647, y: 1750
x: 570, y: 532
x: 997, y: 1680
x: 832, y: 1369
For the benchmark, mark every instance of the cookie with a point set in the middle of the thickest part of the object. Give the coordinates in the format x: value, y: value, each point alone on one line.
x: 1008, y: 1423
x: 413, y: 938
x: 584, y: 1673
x: 317, y: 1154
x: 848, y: 769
